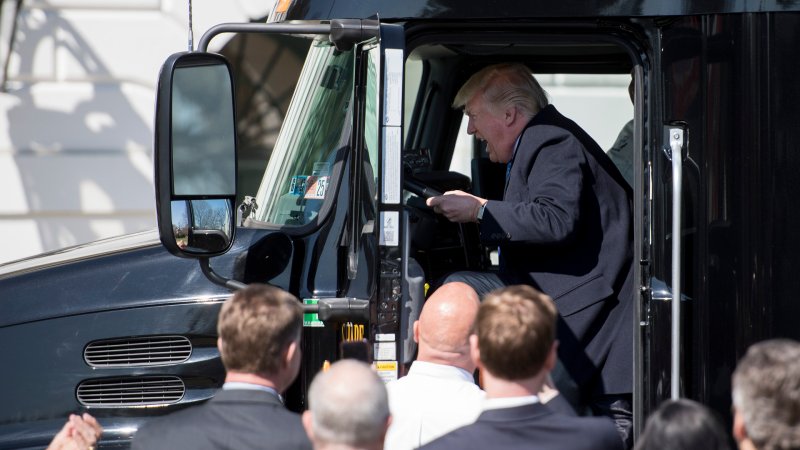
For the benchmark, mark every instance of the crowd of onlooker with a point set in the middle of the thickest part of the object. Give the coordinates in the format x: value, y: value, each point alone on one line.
x: 509, y: 336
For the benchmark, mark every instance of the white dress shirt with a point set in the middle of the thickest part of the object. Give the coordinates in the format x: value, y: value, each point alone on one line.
x: 430, y: 401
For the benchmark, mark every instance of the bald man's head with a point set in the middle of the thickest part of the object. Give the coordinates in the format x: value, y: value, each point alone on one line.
x: 445, y: 324
x: 330, y: 419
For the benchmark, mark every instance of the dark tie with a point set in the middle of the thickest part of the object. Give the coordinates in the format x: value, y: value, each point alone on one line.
x: 508, y: 175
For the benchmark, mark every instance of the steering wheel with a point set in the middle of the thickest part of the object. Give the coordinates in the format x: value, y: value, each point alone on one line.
x: 423, y: 192
x: 415, y: 186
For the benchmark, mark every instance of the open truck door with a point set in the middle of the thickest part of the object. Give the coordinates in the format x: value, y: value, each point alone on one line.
x: 328, y: 214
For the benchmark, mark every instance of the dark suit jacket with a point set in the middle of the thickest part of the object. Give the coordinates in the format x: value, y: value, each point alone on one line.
x: 235, y: 419
x: 531, y: 426
x: 565, y: 227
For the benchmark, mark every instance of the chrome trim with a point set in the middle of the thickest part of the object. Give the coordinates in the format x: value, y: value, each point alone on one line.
x: 130, y: 391
x: 142, y: 351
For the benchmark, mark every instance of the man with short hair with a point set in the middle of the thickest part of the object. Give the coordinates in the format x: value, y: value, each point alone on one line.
x: 514, y: 346
x: 439, y: 393
x: 348, y: 408
x: 564, y: 226
x: 766, y: 396
x: 259, y: 341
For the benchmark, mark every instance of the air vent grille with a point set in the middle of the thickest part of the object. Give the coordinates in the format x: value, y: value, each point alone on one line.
x: 131, y: 391
x: 138, y: 351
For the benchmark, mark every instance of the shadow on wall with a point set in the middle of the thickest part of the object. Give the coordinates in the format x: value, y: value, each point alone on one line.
x: 80, y: 141
x: 81, y: 133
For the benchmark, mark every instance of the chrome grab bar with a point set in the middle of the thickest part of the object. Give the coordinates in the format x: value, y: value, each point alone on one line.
x: 676, y: 150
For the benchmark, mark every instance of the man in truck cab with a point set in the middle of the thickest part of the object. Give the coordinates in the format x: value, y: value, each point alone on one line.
x: 564, y: 226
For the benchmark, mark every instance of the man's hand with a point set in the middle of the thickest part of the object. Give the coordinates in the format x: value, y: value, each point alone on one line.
x: 79, y: 433
x: 457, y: 206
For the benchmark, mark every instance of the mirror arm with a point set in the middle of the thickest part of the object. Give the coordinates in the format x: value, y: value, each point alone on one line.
x: 202, y: 46
x: 340, y: 309
x: 345, y: 33
x: 233, y: 285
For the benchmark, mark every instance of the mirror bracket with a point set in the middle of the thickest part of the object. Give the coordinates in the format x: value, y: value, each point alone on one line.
x: 215, y: 278
x: 340, y: 309
x: 345, y: 33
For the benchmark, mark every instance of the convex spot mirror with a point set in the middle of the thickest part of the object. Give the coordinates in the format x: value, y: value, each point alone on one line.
x: 195, y: 155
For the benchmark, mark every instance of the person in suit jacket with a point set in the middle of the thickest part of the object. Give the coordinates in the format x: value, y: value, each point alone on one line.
x: 564, y: 226
x: 259, y: 341
x: 515, y: 349
x: 348, y: 408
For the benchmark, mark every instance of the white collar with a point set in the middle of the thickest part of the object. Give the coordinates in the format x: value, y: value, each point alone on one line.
x: 440, y: 371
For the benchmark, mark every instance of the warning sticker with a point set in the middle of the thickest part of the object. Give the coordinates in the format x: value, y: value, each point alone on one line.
x: 386, y: 370
x: 384, y: 337
x: 385, y: 351
x: 390, y: 228
x: 392, y: 165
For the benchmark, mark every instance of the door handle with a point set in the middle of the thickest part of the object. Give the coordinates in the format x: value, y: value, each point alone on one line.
x: 675, y: 154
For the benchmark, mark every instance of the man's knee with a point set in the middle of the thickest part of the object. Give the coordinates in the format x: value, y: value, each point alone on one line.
x: 482, y: 282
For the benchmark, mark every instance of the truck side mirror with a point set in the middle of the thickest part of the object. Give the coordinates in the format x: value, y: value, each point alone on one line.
x: 195, y: 155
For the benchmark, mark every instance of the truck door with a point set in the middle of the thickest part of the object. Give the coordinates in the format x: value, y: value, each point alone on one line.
x: 377, y: 205
x: 326, y: 221
x: 357, y: 251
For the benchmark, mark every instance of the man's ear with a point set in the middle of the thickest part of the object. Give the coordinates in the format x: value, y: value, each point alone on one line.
x: 552, y: 357
x: 475, y: 351
x: 510, y: 115
x: 219, y: 344
x: 416, y: 331
x: 308, y: 424
x: 386, y: 427
x: 739, y: 430
x: 288, y: 357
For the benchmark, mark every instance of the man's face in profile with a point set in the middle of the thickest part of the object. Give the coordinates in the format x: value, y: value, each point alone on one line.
x: 490, y: 126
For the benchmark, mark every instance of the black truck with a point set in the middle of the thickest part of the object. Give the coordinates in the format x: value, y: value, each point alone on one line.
x: 124, y: 329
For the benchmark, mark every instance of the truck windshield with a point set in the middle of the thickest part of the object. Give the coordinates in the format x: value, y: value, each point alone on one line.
x: 298, y: 177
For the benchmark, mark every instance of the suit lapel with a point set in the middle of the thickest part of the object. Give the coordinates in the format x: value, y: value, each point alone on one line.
x: 541, y: 117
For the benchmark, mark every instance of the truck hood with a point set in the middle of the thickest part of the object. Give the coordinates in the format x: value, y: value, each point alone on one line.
x: 130, y: 271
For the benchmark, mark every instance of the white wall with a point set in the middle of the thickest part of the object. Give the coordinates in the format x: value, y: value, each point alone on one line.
x: 76, y: 119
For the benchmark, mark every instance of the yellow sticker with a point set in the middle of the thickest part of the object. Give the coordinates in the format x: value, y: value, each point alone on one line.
x: 386, y: 370
x: 385, y: 365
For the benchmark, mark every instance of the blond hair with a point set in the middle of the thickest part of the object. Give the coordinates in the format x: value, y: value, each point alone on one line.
x: 502, y: 86
x: 256, y: 325
x: 516, y: 328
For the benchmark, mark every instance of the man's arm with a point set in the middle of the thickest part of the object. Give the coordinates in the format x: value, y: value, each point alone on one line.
x: 457, y: 206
